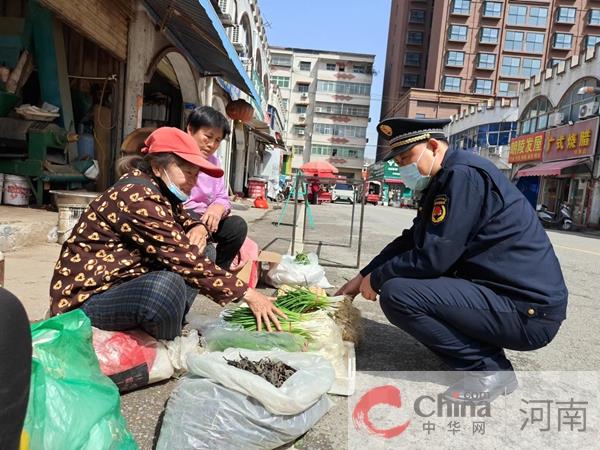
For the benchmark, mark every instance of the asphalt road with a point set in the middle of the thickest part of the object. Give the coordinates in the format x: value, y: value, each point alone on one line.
x: 386, y: 348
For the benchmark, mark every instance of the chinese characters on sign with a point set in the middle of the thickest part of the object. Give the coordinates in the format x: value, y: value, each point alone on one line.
x: 571, y: 141
x: 570, y: 415
x: 528, y: 147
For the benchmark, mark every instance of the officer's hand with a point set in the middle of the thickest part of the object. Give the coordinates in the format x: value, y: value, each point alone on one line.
x: 351, y: 288
x: 366, y: 290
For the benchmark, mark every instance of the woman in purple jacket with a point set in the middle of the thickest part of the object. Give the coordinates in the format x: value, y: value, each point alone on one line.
x: 209, y: 199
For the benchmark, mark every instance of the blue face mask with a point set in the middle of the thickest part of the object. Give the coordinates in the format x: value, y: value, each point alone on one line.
x: 178, y: 193
x: 411, y: 176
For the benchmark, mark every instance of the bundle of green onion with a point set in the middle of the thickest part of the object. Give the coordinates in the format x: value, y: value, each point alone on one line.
x: 297, y: 304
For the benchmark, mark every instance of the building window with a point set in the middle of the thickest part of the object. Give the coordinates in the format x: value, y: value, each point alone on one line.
x: 410, y: 80
x: 562, y: 41
x: 483, y: 86
x: 531, y: 66
x: 282, y: 82
x: 462, y: 7
x: 508, y: 89
x: 554, y: 62
x: 305, y: 66
x: 344, y: 87
x: 535, y: 43
x: 513, y: 41
x: 417, y: 16
x: 299, y: 130
x: 301, y: 109
x: 330, y: 66
x: 571, y: 102
x: 415, y: 37
x: 591, y: 40
x: 486, y: 61
x: 285, y: 103
x: 538, y: 16
x: 420, y: 116
x: 302, y: 87
x: 340, y: 130
x: 281, y: 60
x: 358, y: 68
x: 511, y: 66
x: 565, y: 15
x: 594, y: 17
x: 342, y: 109
x: 535, y: 116
x: 457, y: 33
x: 492, y: 9
x: 298, y: 149
x: 489, y: 36
x: 452, y: 84
x: 455, y: 59
x: 412, y: 59
x: 517, y: 14
x: 343, y: 152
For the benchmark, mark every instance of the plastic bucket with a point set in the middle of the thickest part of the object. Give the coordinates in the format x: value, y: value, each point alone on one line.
x: 68, y: 216
x: 16, y: 190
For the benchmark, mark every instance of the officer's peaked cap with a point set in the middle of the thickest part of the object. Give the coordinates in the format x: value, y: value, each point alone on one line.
x: 403, y: 133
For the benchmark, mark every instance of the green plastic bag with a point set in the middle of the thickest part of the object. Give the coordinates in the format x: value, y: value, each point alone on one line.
x: 72, y: 405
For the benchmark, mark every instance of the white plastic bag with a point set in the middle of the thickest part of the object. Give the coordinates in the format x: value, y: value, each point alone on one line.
x: 202, y: 414
x: 288, y: 271
x: 314, y: 377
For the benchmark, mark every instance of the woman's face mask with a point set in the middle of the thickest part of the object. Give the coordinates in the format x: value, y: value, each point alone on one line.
x: 174, y: 189
x: 412, y: 178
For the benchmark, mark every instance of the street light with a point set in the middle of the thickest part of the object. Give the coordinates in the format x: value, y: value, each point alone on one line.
x: 588, y: 90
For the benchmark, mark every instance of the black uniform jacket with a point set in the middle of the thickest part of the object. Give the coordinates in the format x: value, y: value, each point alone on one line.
x: 474, y: 224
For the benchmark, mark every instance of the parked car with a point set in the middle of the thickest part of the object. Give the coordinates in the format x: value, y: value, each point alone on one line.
x: 343, y: 192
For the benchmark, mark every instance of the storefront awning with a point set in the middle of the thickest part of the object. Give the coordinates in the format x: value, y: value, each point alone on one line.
x: 195, y: 29
x: 550, y: 168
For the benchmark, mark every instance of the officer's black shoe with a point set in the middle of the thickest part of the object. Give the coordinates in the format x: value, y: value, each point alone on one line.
x: 482, y: 386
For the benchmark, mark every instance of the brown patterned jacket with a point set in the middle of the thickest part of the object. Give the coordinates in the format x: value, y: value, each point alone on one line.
x: 129, y: 230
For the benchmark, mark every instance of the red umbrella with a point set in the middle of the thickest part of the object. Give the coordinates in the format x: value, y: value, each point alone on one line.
x: 319, y: 168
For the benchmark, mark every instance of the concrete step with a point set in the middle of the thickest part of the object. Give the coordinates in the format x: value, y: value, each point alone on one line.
x: 22, y: 227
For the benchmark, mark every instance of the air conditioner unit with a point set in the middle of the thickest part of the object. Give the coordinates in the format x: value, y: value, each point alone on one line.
x: 302, y: 116
x: 494, y: 151
x: 556, y: 119
x: 300, y: 132
x: 588, y: 110
x: 304, y: 95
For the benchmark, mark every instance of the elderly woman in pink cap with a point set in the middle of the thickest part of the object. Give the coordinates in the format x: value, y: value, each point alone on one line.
x: 133, y: 261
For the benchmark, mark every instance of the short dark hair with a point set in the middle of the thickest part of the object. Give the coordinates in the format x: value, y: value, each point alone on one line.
x: 207, y: 117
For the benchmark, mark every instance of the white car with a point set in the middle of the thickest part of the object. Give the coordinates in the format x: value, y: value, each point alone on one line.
x: 342, y: 191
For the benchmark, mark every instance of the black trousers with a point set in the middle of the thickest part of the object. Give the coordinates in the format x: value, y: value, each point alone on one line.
x: 229, y: 238
x: 465, y: 324
x: 15, y: 369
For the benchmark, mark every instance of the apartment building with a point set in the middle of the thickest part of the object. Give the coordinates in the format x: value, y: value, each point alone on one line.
x: 326, y: 98
x: 445, y: 55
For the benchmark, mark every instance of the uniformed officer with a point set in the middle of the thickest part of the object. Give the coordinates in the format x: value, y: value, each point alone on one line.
x: 476, y: 272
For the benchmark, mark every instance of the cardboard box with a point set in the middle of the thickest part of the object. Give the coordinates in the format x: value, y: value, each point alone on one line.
x: 255, y: 267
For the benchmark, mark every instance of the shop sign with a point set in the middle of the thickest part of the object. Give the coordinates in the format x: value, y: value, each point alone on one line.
x: 381, y: 170
x: 528, y: 147
x: 571, y: 141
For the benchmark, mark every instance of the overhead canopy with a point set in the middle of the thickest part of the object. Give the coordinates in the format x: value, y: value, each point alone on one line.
x: 550, y: 168
x: 319, y: 168
x: 195, y: 29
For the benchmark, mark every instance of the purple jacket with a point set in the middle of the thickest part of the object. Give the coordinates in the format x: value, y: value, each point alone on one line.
x: 208, y: 190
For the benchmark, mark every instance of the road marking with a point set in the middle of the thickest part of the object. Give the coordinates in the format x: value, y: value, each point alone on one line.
x: 577, y: 250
